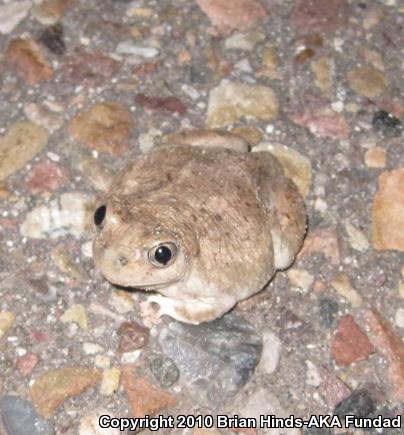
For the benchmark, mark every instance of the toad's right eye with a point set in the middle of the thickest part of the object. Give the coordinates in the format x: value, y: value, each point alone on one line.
x: 99, y: 215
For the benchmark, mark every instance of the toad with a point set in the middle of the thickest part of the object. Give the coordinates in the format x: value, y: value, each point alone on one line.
x: 203, y: 227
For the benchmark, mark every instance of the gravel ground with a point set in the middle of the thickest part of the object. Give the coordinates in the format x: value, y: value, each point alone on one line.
x: 85, y: 87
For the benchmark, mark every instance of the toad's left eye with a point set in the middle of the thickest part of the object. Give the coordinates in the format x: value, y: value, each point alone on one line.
x: 163, y: 254
x: 99, y: 215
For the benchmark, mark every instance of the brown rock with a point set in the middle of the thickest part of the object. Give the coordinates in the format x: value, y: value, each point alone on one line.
x: 22, y: 142
x: 144, y: 398
x: 26, y: 58
x: 46, y: 177
x: 27, y: 363
x: 333, y: 388
x: 132, y: 336
x: 342, y: 284
x: 51, y: 389
x: 391, y: 345
x: 367, y: 81
x: 229, y: 15
x: 169, y: 105
x: 146, y: 69
x: 323, y: 71
x: 48, y: 12
x: 388, y: 211
x: 305, y: 54
x: 375, y: 157
x: 319, y: 15
x: 350, y: 344
x: 105, y: 127
x: 322, y: 241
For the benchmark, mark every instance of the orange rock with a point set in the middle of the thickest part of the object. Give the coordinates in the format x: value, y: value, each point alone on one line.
x: 144, y: 398
x: 52, y: 388
x: 375, y: 157
x: 388, y: 211
x: 391, y: 345
x: 323, y: 241
x: 28, y: 61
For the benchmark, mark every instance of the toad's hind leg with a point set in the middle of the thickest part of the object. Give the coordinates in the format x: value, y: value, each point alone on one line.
x: 287, y: 217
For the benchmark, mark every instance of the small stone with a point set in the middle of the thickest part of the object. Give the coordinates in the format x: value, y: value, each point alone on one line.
x: 313, y: 376
x: 121, y: 301
x: 357, y: 239
x: 130, y: 357
x: 92, y: 348
x: 52, y: 39
x: 105, y: 127
x: 391, y: 345
x: 133, y: 336
x: 229, y: 15
x: 145, y: 69
x: 373, y: 58
x: 350, y: 344
x: 270, y: 352
x: 388, y: 211
x: 100, y: 176
x: 102, y: 361
x: 372, y: 17
x: 52, y: 388
x: 42, y: 116
x: 12, y: 14
x: 250, y: 134
x: 323, y: 70
x: 332, y: 388
x: 367, y: 81
x: 375, y: 157
x: 59, y: 218
x: 77, y: 314
x: 65, y: 262
x: 319, y: 15
x: 127, y: 47
x: 269, y: 57
x: 139, y: 12
x: 304, y: 55
x: 231, y: 101
x: 6, y: 322
x: 164, y: 370
x: 110, y: 381
x: 296, y: 166
x: 300, y: 278
x: 343, y: 286
x: 168, y: 105
x: 144, y: 398
x: 243, y: 41
x: 90, y: 425
x: 21, y: 418
x: 328, y: 310
x: 322, y: 241
x: 26, y: 58
x: 49, y: 12
x: 22, y: 142
x: 27, y: 363
x: 360, y: 404
x: 387, y: 124
x: 399, y: 317
x: 89, y: 68
x: 46, y: 177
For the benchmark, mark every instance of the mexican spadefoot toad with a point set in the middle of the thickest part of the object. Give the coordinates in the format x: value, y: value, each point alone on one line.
x: 205, y: 227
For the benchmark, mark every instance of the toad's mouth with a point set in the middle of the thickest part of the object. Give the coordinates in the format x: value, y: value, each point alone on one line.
x: 131, y: 284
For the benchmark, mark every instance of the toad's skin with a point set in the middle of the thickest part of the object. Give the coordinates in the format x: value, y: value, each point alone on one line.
x: 204, y: 227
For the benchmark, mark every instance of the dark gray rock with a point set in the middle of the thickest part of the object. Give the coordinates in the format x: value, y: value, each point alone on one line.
x: 164, y: 370
x: 360, y: 403
x: 387, y: 124
x: 215, y: 359
x: 20, y: 417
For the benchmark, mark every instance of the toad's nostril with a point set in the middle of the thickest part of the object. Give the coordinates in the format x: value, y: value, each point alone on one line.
x: 121, y: 260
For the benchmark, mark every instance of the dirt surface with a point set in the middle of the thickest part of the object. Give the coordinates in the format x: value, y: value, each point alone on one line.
x: 86, y: 86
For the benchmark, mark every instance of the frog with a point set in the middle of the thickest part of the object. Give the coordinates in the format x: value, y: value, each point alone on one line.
x: 200, y: 223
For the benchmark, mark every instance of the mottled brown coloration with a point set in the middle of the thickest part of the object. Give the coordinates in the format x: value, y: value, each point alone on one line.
x: 234, y: 217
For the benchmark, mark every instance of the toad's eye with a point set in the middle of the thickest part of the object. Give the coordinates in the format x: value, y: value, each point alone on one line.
x: 99, y: 215
x: 163, y: 254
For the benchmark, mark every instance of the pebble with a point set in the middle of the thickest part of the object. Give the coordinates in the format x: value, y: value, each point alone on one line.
x: 372, y: 17
x: 399, y: 317
x: 390, y: 344
x: 313, y: 376
x: 323, y: 70
x: 105, y: 127
x: 25, y: 56
x: 271, y: 349
x: 144, y: 398
x: 49, y: 12
x: 130, y: 357
x: 52, y: 388
x: 11, y: 14
x: 121, y: 301
x: 215, y: 359
x: 89, y: 424
x: 350, y: 343
x: 46, y: 177
x: 322, y: 241
x: 333, y: 388
x: 231, y: 101
x: 387, y: 124
x: 167, y: 105
x: 102, y: 361
x: 229, y: 15
x: 356, y: 238
x: 132, y: 336
x: 296, y: 166
x: 388, y: 211
x: 375, y: 157
x: 58, y: 218
x: 300, y: 278
x: 128, y: 47
x: 343, y: 286
x: 360, y: 403
x: 7, y: 319
x: 27, y: 363
x: 110, y: 381
x: 42, y: 116
x: 52, y: 39
x: 92, y: 348
x: 22, y: 142
x: 98, y: 175
x: 164, y: 370
x: 77, y: 314
x: 21, y: 418
x: 367, y: 81
x: 328, y: 311
x: 243, y: 41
